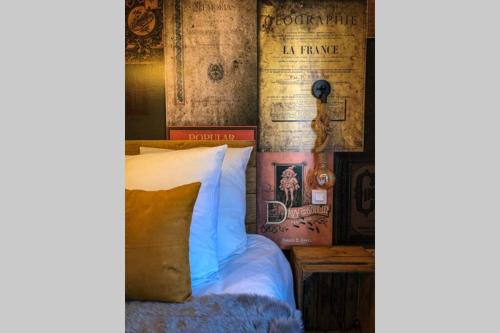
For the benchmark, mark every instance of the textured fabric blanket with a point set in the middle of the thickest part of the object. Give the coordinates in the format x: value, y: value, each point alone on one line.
x: 213, y: 313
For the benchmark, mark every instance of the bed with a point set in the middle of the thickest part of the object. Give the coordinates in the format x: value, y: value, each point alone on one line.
x: 254, y: 290
x: 262, y: 269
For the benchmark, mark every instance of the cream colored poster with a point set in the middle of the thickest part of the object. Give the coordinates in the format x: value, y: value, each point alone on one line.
x: 301, y: 42
x: 211, y: 62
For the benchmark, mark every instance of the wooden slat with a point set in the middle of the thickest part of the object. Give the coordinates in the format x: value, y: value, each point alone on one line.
x: 251, y: 179
x: 251, y: 228
x: 132, y: 146
x: 251, y: 216
x: 341, y: 260
x: 306, y: 252
x: 367, y: 303
x: 371, y: 19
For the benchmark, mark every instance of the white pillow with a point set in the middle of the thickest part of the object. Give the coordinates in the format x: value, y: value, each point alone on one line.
x: 168, y: 170
x: 231, y: 231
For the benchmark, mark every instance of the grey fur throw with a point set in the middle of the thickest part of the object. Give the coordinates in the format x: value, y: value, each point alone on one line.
x: 213, y: 313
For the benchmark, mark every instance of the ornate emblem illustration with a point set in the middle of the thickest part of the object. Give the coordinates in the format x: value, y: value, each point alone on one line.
x: 141, y: 21
x: 215, y: 72
x: 143, y: 31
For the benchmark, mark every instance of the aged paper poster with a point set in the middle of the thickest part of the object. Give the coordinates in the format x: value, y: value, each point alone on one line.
x: 211, y: 62
x: 301, y: 42
x: 285, y: 212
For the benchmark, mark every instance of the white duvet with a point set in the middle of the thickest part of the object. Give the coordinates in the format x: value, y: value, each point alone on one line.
x: 262, y: 269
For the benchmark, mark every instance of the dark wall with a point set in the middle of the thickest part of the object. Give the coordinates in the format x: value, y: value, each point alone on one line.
x: 344, y: 163
x: 145, y: 101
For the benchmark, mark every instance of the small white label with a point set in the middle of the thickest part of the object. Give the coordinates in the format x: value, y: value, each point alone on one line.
x: 319, y: 197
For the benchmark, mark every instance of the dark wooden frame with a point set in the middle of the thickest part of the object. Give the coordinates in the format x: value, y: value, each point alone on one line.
x: 342, y: 202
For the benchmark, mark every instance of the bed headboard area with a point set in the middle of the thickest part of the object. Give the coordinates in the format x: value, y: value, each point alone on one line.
x: 132, y: 148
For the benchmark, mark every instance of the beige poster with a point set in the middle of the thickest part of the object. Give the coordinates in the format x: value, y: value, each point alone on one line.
x: 211, y: 62
x: 301, y: 42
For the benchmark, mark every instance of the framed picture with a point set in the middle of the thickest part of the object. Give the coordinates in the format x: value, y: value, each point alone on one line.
x: 354, y: 207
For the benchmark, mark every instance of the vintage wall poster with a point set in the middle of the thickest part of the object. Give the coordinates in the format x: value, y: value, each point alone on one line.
x: 301, y: 42
x: 144, y: 31
x: 285, y: 212
x: 211, y: 62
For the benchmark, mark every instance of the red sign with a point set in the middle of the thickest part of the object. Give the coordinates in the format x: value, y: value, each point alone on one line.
x: 212, y: 133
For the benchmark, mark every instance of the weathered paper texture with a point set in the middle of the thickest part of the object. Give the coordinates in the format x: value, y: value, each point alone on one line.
x: 301, y: 42
x: 211, y: 62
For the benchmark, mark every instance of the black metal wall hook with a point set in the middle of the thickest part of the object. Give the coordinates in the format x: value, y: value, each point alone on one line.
x: 321, y: 89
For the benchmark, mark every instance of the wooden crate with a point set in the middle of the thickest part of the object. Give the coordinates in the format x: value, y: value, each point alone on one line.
x: 335, y: 288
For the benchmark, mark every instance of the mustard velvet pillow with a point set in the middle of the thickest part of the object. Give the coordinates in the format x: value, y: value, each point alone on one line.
x: 157, y: 225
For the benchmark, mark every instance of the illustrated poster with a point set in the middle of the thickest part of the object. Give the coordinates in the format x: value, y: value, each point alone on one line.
x: 285, y: 212
x: 301, y: 42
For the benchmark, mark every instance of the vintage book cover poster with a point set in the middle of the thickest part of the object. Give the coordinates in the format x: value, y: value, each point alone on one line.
x: 301, y: 42
x: 211, y: 62
x: 285, y: 212
x: 210, y: 133
x: 144, y: 31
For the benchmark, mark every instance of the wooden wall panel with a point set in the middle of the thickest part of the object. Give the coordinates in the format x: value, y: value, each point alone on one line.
x: 371, y: 19
x: 144, y: 101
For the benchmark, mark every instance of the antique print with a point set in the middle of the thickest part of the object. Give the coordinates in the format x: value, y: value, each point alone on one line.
x: 143, y: 31
x: 211, y: 62
x: 301, y: 42
x: 285, y: 212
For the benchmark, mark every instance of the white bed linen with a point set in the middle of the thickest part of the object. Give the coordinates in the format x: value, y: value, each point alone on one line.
x: 262, y: 269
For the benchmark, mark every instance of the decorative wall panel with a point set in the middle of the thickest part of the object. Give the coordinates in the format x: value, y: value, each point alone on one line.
x: 211, y: 62
x: 299, y: 43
